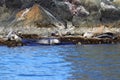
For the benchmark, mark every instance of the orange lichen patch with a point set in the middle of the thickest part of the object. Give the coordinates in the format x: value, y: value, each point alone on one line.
x: 34, y: 13
x: 30, y: 15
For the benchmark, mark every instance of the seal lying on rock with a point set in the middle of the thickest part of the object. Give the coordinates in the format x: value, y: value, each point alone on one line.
x: 12, y: 36
x: 48, y: 41
x: 88, y: 35
x: 106, y: 35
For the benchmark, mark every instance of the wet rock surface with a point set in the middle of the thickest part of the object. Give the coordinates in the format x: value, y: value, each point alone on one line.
x: 110, y: 16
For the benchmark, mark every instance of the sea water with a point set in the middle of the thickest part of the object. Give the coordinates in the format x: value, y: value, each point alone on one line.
x: 60, y: 62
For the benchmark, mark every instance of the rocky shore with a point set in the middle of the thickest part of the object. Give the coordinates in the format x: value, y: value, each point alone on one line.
x: 65, y: 21
x: 33, y: 39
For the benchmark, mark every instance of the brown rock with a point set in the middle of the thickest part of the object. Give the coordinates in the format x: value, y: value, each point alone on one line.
x: 31, y: 15
x: 34, y: 14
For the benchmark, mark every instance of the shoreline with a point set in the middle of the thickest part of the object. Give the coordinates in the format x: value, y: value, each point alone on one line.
x: 33, y: 39
x: 32, y: 35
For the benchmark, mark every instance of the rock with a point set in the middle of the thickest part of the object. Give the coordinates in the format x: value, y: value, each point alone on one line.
x: 65, y: 9
x: 13, y: 4
x: 37, y: 16
x: 91, y: 5
x: 76, y: 2
x: 81, y: 11
x: 46, y: 4
x: 68, y: 9
x: 110, y: 12
x: 30, y: 15
x: 107, y: 6
x: 88, y: 14
x: 106, y: 17
x: 1, y: 2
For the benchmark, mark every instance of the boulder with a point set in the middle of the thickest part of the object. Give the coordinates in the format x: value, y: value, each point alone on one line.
x: 30, y: 14
x: 62, y: 11
x: 91, y: 5
x: 35, y: 15
x: 1, y: 2
x: 110, y: 16
x: 46, y: 4
x: 88, y: 13
x: 110, y: 11
x: 13, y: 4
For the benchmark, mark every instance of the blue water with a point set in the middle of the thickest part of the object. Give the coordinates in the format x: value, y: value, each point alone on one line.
x: 60, y: 62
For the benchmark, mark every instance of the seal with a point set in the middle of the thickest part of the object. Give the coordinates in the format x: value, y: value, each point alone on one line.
x: 49, y: 41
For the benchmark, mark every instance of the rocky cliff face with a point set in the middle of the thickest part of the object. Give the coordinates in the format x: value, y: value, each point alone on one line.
x: 46, y: 13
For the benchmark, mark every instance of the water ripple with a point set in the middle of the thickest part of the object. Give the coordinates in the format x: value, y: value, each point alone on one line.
x: 61, y: 62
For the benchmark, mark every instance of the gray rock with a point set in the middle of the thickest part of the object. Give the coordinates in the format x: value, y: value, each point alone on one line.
x: 13, y: 4
x: 110, y: 15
